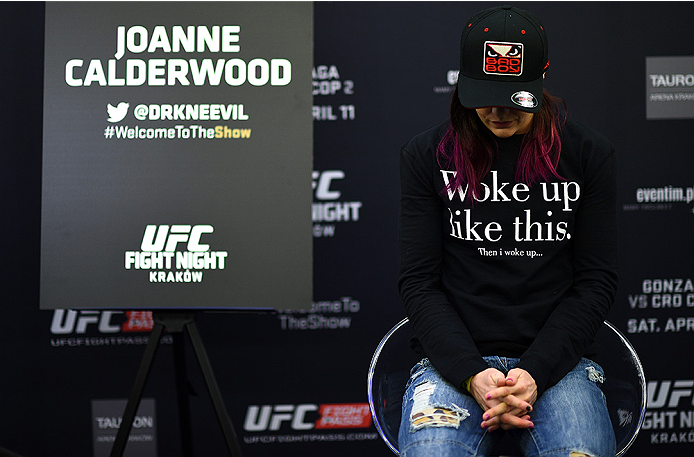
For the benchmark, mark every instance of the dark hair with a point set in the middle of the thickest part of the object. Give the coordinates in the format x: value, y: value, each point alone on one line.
x: 470, y: 149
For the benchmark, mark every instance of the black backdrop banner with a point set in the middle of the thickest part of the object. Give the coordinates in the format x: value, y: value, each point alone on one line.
x: 295, y: 381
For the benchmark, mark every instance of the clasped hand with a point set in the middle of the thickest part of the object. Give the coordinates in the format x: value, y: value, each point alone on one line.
x: 506, y: 400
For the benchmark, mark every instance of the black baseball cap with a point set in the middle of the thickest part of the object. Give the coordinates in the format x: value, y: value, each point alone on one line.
x: 503, y: 57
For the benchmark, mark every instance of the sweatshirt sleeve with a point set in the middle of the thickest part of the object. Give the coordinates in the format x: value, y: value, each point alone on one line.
x: 573, y: 324
x: 442, y: 334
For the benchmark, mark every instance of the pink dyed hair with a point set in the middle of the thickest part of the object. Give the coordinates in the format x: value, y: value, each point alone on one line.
x: 469, y: 147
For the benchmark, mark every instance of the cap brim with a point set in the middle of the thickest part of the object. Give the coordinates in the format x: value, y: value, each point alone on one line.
x: 524, y: 96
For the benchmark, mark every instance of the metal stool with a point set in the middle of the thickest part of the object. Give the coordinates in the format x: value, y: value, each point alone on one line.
x: 624, y: 386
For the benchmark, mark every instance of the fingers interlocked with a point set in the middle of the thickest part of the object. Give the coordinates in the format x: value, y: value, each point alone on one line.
x: 506, y: 400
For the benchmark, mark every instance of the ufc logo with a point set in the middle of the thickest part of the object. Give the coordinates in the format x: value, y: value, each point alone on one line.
x: 259, y: 419
x: 667, y: 393
x: 66, y: 322
x: 322, y: 181
x: 165, y: 238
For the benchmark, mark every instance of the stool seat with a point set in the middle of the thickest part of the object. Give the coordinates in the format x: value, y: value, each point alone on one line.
x: 624, y: 386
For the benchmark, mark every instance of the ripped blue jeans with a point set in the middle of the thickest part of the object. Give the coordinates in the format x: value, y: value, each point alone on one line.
x: 439, y: 420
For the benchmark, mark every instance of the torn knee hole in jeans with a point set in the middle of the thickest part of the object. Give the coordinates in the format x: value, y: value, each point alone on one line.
x: 579, y: 454
x: 595, y: 376
x: 425, y: 413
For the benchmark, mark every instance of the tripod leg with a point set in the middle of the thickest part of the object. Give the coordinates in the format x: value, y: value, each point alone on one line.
x: 136, y: 394
x: 182, y: 390
x: 215, y: 394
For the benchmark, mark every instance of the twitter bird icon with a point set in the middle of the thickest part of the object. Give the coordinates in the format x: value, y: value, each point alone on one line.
x: 117, y: 113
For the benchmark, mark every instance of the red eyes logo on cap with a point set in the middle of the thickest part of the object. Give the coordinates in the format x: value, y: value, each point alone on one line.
x: 502, y: 58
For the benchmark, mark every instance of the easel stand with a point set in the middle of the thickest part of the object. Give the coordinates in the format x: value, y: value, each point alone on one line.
x: 175, y: 323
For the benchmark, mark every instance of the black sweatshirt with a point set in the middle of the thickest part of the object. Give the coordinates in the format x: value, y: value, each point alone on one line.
x: 528, y: 272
